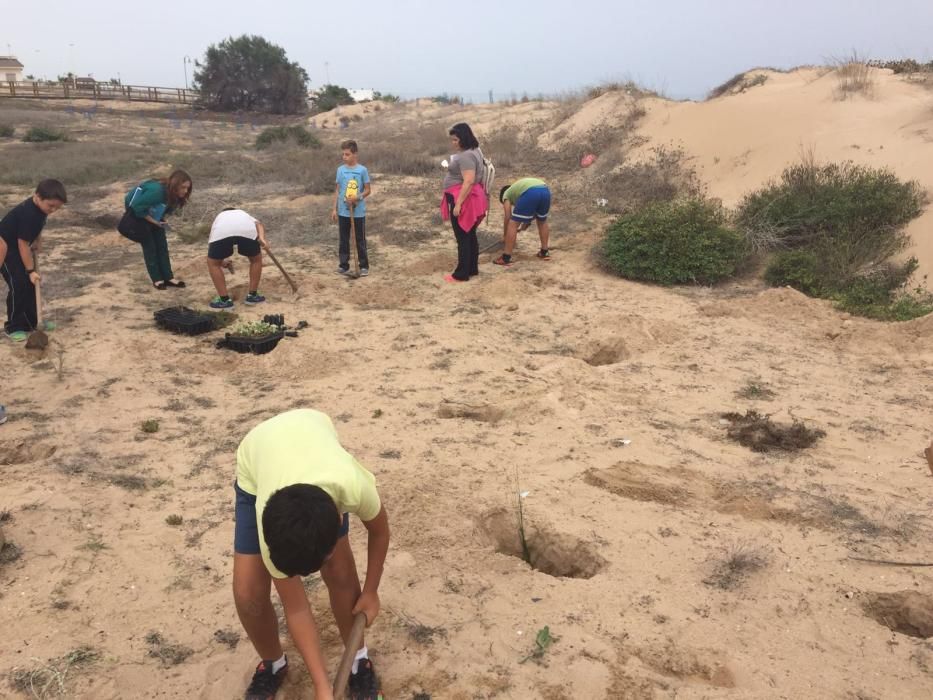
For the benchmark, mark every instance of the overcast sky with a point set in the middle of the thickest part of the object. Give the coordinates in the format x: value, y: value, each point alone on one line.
x: 422, y: 48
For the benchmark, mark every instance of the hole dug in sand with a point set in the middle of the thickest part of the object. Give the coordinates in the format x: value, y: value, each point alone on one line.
x: 549, y: 552
x: 907, y: 612
x: 24, y: 452
x: 606, y: 352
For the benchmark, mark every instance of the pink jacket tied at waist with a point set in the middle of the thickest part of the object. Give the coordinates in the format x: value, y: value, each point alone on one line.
x: 473, y: 209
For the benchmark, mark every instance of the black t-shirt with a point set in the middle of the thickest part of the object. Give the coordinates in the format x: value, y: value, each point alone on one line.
x: 23, y: 222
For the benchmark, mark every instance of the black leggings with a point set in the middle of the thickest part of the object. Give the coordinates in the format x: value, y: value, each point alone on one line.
x: 467, y: 246
x: 21, y: 297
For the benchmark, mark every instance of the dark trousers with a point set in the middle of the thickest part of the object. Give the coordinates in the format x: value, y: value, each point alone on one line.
x: 359, y: 223
x: 20, y: 299
x: 155, y: 253
x: 467, y: 246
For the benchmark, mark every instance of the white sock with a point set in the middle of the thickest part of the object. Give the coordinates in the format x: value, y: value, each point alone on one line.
x: 277, y: 665
x: 360, y: 655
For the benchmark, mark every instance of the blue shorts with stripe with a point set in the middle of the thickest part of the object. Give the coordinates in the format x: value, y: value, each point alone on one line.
x: 246, y: 530
x: 534, y: 203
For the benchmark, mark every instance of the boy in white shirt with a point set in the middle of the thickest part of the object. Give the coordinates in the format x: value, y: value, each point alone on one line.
x: 234, y: 227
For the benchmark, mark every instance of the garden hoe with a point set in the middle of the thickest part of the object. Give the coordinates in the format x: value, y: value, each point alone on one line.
x: 346, y: 663
x: 38, y: 340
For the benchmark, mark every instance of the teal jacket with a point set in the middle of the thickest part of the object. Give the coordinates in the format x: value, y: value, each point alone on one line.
x: 147, y: 195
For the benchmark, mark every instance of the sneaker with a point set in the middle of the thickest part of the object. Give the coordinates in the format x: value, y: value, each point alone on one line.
x: 502, y: 261
x: 364, y: 272
x: 219, y: 304
x: 343, y: 270
x: 252, y: 299
x: 265, y: 683
x: 17, y: 336
x: 2, y: 415
x: 544, y: 254
x: 363, y: 684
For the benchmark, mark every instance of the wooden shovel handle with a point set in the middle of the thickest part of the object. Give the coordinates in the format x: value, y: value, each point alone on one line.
x: 35, y: 263
x: 282, y: 270
x: 353, y: 644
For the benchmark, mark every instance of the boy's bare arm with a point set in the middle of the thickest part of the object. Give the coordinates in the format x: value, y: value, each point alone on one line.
x: 377, y: 547
x: 25, y: 254
x: 261, y: 232
x: 367, y: 191
x: 304, y: 632
x: 506, y: 215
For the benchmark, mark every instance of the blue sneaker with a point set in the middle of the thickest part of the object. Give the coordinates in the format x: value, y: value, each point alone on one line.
x: 2, y: 415
x: 254, y: 298
x: 220, y: 304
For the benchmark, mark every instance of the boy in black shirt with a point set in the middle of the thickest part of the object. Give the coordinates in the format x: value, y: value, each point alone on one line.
x: 19, y: 236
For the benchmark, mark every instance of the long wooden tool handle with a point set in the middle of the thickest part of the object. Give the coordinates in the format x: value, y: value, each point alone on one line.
x: 282, y: 270
x: 35, y: 263
x: 346, y: 663
x: 353, y: 253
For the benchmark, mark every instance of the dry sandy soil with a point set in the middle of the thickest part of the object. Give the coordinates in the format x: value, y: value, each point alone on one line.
x: 669, y: 560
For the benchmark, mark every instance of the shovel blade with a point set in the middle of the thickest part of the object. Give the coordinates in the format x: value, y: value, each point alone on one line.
x: 37, y: 340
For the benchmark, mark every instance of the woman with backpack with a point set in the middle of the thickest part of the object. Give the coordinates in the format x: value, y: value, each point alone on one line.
x: 464, y: 200
x: 147, y: 205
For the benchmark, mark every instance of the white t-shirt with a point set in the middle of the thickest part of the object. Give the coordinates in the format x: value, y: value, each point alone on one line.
x: 234, y: 222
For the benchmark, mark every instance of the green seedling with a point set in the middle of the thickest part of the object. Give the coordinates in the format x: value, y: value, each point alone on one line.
x: 150, y: 426
x: 543, y: 640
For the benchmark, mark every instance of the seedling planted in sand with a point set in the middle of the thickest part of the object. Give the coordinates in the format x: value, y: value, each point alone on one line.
x: 168, y: 653
x: 150, y: 426
x: 755, y: 390
x: 543, y: 640
x: 739, y: 563
x: 174, y: 520
x: 759, y: 433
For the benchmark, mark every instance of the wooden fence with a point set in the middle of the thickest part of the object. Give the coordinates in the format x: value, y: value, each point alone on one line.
x: 97, y: 91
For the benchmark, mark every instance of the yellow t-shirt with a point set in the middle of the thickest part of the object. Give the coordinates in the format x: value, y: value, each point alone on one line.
x: 301, y: 447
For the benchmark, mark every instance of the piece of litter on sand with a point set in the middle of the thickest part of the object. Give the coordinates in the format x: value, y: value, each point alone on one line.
x: 523, y: 494
x: 620, y: 442
x: 445, y: 164
x: 602, y: 202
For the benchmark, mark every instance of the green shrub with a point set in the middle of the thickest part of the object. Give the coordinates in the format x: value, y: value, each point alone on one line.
x: 41, y: 134
x: 799, y: 269
x: 883, y: 294
x: 673, y: 242
x: 283, y: 134
x: 6, y: 131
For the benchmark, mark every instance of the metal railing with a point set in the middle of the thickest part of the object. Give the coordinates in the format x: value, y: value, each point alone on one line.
x: 97, y: 91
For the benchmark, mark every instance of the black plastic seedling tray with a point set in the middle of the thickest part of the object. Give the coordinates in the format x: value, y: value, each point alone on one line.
x: 256, y: 346
x: 181, y: 319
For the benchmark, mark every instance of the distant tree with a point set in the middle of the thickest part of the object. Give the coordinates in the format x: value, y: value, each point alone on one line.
x: 30, y: 77
x: 387, y: 97
x: 250, y: 73
x: 332, y: 96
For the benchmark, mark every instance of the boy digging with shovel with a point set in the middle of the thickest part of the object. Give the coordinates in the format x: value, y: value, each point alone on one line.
x: 295, y: 487
x: 19, y: 238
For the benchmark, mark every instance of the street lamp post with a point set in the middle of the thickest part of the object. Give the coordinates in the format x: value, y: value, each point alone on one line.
x: 186, y: 61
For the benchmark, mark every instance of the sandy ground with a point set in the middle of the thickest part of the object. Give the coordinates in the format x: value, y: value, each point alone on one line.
x: 671, y: 561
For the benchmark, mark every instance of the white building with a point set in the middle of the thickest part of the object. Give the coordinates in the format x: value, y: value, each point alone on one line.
x: 11, y: 70
x: 362, y: 94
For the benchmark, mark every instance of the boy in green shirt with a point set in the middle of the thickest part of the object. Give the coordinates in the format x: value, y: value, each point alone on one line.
x: 524, y: 201
x: 295, y: 487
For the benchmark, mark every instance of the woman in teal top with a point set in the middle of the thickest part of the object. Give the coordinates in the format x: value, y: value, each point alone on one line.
x: 147, y: 205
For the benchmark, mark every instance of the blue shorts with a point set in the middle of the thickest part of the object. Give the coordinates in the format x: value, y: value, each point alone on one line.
x: 246, y: 530
x: 534, y: 203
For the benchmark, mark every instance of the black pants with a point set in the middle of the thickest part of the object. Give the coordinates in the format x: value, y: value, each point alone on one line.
x: 21, y: 299
x: 467, y: 246
x: 359, y: 222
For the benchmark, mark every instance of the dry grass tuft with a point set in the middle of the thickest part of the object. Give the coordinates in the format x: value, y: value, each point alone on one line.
x: 739, y: 562
x: 759, y: 433
x: 49, y: 680
x: 853, y: 76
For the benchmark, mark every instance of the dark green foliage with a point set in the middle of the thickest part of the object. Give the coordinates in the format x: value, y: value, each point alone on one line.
x: 40, y: 134
x: 842, y: 224
x: 859, y: 211
x: 250, y: 73
x: 904, y: 65
x: 6, y: 131
x: 799, y: 269
x: 387, y: 97
x: 332, y: 96
x: 283, y: 134
x: 674, y: 242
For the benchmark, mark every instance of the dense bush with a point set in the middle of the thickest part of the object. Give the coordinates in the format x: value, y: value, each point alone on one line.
x: 331, y: 97
x: 283, y: 134
x: 673, y: 242
x: 41, y: 134
x: 838, y: 226
x: 904, y: 65
x: 6, y: 131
